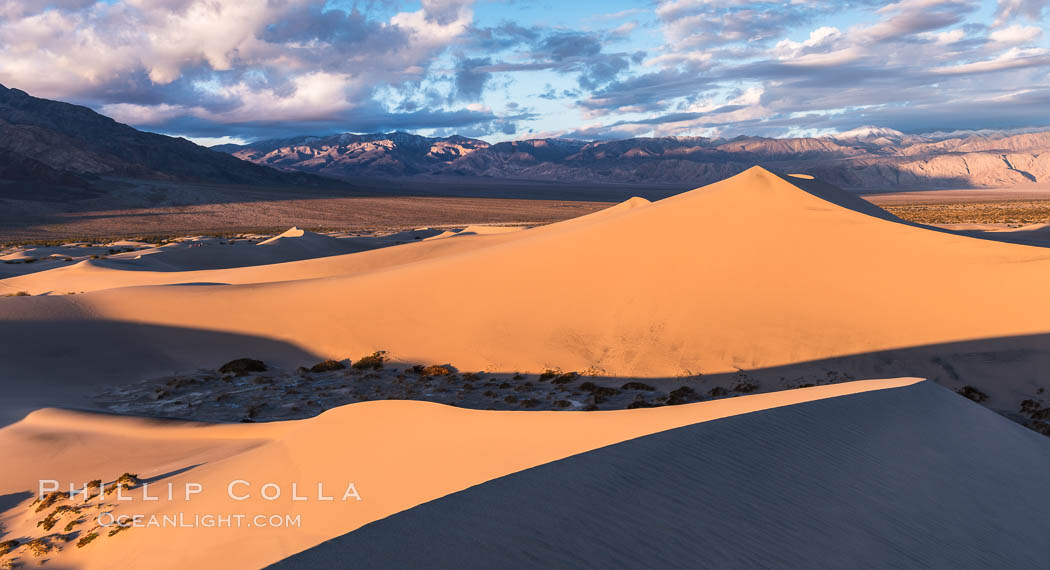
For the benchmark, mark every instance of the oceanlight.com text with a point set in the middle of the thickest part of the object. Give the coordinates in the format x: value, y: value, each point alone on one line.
x: 198, y: 520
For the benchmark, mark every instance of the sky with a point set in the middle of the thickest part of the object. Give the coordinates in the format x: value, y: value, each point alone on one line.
x: 220, y: 71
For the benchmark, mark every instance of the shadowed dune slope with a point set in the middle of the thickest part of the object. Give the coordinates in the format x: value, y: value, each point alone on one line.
x: 749, y: 272
x: 398, y: 454
x: 915, y: 477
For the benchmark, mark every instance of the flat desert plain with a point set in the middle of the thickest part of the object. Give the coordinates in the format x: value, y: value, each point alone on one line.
x: 819, y: 383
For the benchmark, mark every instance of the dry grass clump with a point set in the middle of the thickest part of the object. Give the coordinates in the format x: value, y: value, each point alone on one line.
x: 327, y: 366
x: 548, y: 374
x: 18, y: 294
x: 373, y: 361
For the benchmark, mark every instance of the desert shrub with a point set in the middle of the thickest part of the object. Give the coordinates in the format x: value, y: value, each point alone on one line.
x: 39, y: 546
x: 602, y: 393
x: 1040, y: 427
x: 471, y: 377
x: 565, y: 378
x: 1043, y: 414
x: 119, y: 528
x: 518, y: 377
x: 591, y: 408
x: 641, y: 404
x: 562, y: 404
x: 511, y: 399
x: 50, y: 520
x: 972, y: 393
x: 69, y: 526
x: 242, y: 366
x: 327, y: 366
x: 637, y: 386
x: 588, y: 386
x: 745, y: 387
x: 86, y: 539
x: 373, y: 361
x: 547, y: 375
x: 489, y: 394
x: 1029, y: 406
x: 7, y: 546
x: 50, y: 499
x: 530, y: 403
x: 437, y: 370
x: 504, y: 385
x: 682, y: 395
x: 125, y: 481
x: 717, y: 392
x: 18, y: 294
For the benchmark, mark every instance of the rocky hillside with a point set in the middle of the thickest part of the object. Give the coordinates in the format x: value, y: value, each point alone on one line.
x: 868, y: 158
x: 51, y: 142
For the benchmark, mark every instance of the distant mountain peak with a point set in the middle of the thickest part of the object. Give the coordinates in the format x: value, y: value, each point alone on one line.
x: 868, y: 131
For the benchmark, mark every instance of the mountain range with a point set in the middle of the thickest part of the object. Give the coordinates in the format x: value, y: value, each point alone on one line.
x: 866, y: 159
x: 56, y: 143
x: 44, y: 142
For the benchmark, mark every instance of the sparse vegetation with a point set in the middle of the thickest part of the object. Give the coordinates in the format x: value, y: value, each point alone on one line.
x: 1004, y: 212
x: 547, y: 375
x: 637, y: 386
x: 17, y: 294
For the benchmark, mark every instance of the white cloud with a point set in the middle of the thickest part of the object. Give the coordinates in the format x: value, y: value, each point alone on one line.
x: 1016, y: 34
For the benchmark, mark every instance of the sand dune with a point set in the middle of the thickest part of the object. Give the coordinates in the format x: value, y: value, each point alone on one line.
x: 676, y: 287
x: 914, y: 477
x: 397, y: 454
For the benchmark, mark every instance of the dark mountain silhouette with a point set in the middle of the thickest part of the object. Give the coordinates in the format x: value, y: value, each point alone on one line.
x: 52, y: 142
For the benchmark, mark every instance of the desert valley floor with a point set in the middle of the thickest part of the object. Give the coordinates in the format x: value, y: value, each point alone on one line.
x: 647, y: 384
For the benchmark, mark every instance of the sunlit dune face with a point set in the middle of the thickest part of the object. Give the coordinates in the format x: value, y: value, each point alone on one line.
x: 802, y: 176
